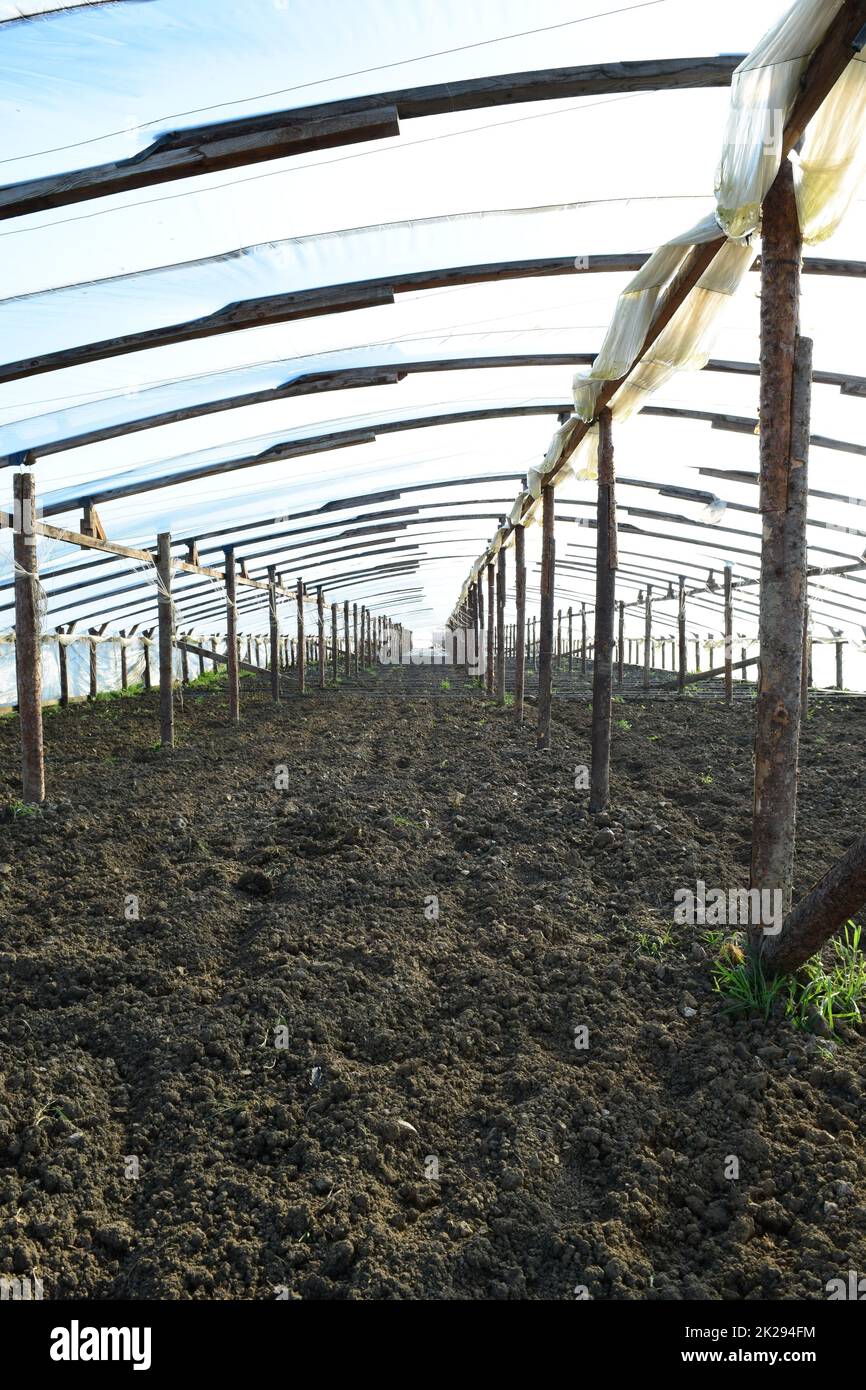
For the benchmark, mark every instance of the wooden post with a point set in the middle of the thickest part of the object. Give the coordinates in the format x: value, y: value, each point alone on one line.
x: 347, y: 656
x: 520, y: 632
x: 490, y: 623
x: 335, y: 643
x: 93, y: 690
x: 124, y: 668
x: 184, y: 658
x: 355, y: 638
x: 146, y: 639
x: 559, y: 637
x: 729, y: 637
x: 681, y: 632
x: 302, y: 644
x: 805, y: 673
x: 583, y: 638
x: 698, y: 654
x: 232, y: 671
x: 786, y: 371
x: 605, y: 582
x: 63, y: 662
x: 500, y: 626
x: 839, y: 682
x: 647, y: 635
x: 323, y: 651
x: 274, y: 633
x: 28, y: 638
x: 166, y: 640
x: 545, y: 656
x: 214, y: 648
x: 620, y: 649
x: 570, y: 640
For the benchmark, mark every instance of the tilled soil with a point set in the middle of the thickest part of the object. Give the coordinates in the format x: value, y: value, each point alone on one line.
x: 299, y: 1008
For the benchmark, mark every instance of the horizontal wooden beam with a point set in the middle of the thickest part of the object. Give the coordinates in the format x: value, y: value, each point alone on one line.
x: 364, y: 294
x: 219, y: 145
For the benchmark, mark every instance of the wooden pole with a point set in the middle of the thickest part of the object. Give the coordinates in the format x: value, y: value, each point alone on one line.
x: 605, y: 582
x: 490, y: 622
x: 805, y: 673
x: 545, y: 656
x: 302, y: 645
x: 786, y: 371
x: 232, y: 671
x: 355, y: 638
x: 347, y: 655
x: 559, y: 637
x: 839, y: 682
x: 583, y: 638
x: 729, y: 636
x: 520, y: 632
x: 274, y: 633
x: 184, y: 658
x: 681, y: 632
x: 647, y: 635
x: 335, y: 643
x: 28, y: 638
x: 146, y: 639
x: 570, y: 641
x: 620, y: 647
x: 166, y: 640
x: 323, y: 651
x: 500, y: 626
x: 63, y: 662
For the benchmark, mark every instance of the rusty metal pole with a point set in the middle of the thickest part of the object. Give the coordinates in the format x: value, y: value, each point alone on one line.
x: 520, y: 629
x: 500, y: 626
x: 545, y: 654
x: 165, y: 614
x: 232, y: 636
x: 28, y: 638
x: 785, y: 391
x: 605, y: 584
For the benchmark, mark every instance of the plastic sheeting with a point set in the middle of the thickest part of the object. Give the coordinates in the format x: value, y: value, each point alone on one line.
x: 833, y: 159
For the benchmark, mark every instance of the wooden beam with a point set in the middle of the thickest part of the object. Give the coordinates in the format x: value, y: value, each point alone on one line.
x: 605, y: 582
x: 302, y: 645
x: 274, y: 633
x: 729, y: 636
x: 500, y: 626
x: 489, y: 675
x: 545, y: 656
x: 205, y: 149
x: 784, y: 450
x: 520, y: 634
x: 232, y: 654
x: 166, y: 640
x: 28, y: 639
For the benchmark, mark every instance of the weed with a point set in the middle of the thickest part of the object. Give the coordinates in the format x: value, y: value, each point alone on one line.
x: 623, y: 724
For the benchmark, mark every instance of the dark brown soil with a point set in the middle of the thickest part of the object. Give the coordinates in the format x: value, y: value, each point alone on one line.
x: 305, y: 916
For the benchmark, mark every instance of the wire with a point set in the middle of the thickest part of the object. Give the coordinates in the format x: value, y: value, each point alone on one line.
x: 335, y: 77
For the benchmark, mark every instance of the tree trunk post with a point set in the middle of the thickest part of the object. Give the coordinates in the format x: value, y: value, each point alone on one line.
x: 302, y: 641
x: 520, y: 630
x: 647, y: 635
x: 500, y: 626
x: 232, y: 671
x: 545, y: 656
x: 166, y: 641
x: 605, y: 583
x: 786, y: 372
x: 28, y: 638
x: 274, y: 633
x: 620, y: 649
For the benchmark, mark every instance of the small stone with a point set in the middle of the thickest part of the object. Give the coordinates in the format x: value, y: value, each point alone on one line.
x: 604, y: 839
